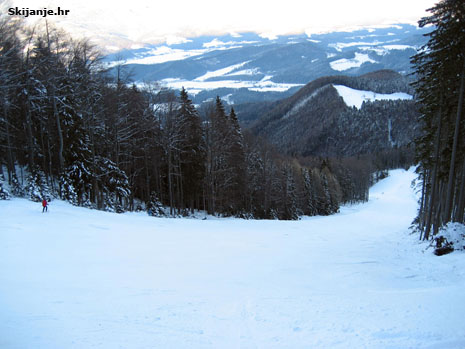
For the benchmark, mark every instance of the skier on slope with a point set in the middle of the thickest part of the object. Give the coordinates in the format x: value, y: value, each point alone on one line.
x: 44, y: 205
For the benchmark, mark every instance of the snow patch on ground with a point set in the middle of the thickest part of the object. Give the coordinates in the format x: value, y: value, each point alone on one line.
x: 253, y: 71
x: 342, y: 45
x: 355, y: 98
x: 454, y: 233
x: 201, y: 83
x: 384, y: 50
x: 160, y: 54
x: 220, y: 72
x: 399, y: 47
x: 228, y: 99
x: 357, y: 61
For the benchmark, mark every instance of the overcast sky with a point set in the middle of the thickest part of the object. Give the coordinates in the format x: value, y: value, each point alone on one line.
x: 124, y: 23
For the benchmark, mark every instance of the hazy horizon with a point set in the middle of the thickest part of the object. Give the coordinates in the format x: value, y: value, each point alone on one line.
x: 140, y: 22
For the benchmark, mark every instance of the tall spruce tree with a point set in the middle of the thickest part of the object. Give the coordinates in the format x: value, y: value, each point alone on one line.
x: 192, y: 155
x: 236, y: 162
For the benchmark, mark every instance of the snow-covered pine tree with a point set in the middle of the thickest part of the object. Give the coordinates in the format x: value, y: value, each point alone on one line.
x: 4, y: 194
x: 154, y: 206
x: 67, y: 190
x: 288, y: 209
x: 77, y: 176
x: 37, y: 187
x: 16, y: 187
x: 255, y: 191
x: 114, y: 185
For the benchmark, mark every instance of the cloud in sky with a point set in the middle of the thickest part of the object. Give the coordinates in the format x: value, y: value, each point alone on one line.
x: 148, y: 21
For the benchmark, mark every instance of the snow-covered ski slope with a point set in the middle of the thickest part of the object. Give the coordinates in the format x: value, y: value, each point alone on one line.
x: 77, y: 278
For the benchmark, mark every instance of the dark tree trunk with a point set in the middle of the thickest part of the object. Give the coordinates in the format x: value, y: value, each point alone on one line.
x: 451, y: 181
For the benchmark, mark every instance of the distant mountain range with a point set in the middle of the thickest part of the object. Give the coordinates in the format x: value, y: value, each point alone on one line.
x: 249, y: 68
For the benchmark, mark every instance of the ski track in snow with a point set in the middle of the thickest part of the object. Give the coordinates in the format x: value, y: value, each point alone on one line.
x: 78, y: 278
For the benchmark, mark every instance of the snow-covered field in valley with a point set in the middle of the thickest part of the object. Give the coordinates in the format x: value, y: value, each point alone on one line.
x: 79, y: 278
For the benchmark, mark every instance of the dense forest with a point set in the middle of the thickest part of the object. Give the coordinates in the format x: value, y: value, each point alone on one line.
x: 440, y: 67
x: 71, y: 130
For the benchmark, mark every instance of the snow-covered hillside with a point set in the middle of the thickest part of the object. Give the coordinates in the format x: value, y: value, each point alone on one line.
x: 355, y: 98
x: 77, y: 278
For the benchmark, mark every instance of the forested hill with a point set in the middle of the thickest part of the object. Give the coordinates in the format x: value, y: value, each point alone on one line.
x: 343, y: 116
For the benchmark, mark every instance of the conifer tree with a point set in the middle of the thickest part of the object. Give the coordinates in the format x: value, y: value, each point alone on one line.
x: 4, y: 194
x: 440, y: 68
x: 288, y: 201
x: 192, y: 155
x: 236, y: 163
x: 309, y: 204
x: 219, y: 174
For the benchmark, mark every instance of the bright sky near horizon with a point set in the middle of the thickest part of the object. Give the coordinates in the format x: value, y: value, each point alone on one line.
x: 136, y: 22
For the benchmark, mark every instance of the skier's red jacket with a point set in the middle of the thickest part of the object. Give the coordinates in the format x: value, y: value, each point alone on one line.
x: 44, y: 202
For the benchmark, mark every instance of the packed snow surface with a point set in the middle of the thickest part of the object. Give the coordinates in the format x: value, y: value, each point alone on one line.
x: 78, y: 278
x: 355, y: 98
